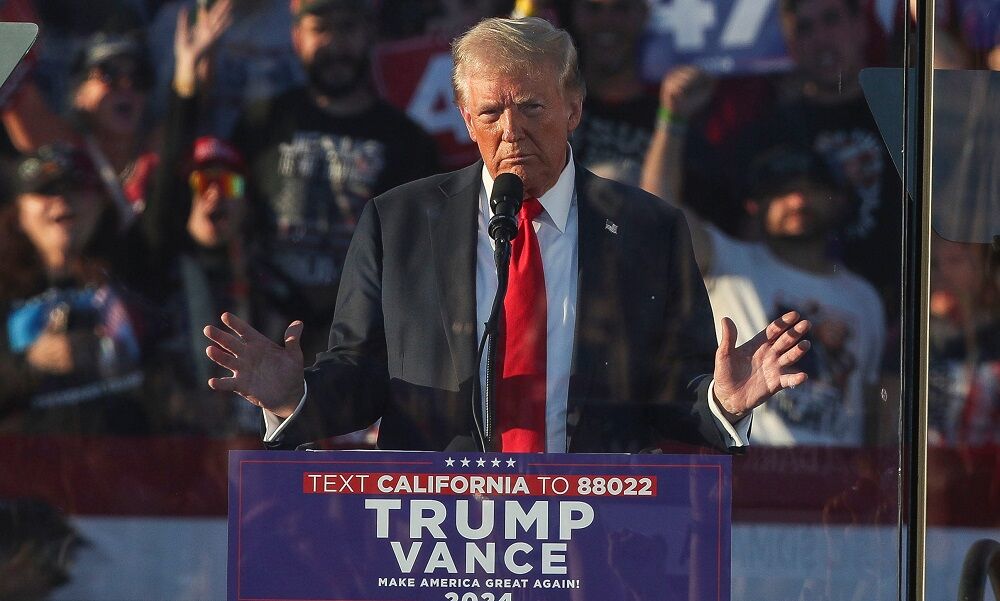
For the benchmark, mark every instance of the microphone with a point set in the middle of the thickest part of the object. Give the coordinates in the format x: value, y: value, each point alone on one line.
x: 505, y: 202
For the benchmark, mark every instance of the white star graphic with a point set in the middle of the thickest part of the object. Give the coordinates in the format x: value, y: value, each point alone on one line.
x: 465, y: 462
x: 449, y: 462
x: 495, y: 462
x: 481, y: 462
x: 511, y: 462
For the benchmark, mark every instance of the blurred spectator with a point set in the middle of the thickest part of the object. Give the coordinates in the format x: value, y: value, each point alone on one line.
x: 828, y: 115
x: 316, y: 155
x: 38, y: 549
x: 193, y: 229
x: 70, y: 350
x: 80, y: 326
x: 964, y: 409
x: 699, y: 118
x: 110, y: 78
x: 684, y: 92
x: 799, y: 205
x: 252, y: 61
x: 207, y: 277
x: 826, y: 39
x: 64, y: 28
x: 169, y: 202
x: 619, y: 110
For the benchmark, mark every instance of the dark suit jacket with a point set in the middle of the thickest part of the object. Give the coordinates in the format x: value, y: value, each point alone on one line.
x: 403, y: 340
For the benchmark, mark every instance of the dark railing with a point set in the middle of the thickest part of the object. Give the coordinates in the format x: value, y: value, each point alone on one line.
x: 982, y: 563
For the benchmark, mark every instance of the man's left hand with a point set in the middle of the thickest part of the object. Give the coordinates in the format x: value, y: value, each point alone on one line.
x: 748, y: 375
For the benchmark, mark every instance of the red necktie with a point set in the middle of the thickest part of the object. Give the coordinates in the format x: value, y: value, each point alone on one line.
x: 522, y: 345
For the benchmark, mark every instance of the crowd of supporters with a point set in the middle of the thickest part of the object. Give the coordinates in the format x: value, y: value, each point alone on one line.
x: 164, y: 161
x: 167, y: 160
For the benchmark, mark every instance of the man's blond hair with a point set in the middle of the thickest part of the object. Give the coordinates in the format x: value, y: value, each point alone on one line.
x: 514, y: 47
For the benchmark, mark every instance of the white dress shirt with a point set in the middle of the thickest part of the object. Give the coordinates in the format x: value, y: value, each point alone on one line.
x: 557, y: 230
x: 556, y: 227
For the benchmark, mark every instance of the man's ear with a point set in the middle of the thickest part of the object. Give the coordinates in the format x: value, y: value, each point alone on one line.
x: 575, y: 112
x: 467, y: 119
x: 751, y: 206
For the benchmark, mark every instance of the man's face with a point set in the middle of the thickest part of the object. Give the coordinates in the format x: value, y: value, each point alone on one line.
x: 113, y: 95
x: 521, y: 124
x: 333, y: 47
x: 609, y: 30
x: 802, y: 210
x: 826, y: 41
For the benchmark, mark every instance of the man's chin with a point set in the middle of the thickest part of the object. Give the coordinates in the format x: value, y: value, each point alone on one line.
x: 338, y: 81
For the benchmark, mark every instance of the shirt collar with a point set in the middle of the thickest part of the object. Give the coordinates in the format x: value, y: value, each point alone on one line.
x: 556, y: 202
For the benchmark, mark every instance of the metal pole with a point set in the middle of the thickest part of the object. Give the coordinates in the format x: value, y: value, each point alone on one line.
x: 916, y: 299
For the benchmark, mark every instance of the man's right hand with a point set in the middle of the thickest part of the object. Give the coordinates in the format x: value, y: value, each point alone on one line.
x: 686, y: 90
x: 268, y: 375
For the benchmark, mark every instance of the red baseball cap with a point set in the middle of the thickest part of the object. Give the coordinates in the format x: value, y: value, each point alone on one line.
x: 209, y: 151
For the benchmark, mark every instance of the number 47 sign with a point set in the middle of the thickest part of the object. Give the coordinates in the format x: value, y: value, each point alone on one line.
x: 721, y: 36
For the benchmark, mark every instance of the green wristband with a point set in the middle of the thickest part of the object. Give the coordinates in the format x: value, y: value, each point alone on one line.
x: 665, y: 115
x: 668, y: 121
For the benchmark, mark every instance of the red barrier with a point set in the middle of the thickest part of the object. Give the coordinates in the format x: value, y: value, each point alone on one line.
x: 186, y: 476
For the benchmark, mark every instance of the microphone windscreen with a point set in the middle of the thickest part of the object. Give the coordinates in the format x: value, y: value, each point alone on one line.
x: 507, y: 186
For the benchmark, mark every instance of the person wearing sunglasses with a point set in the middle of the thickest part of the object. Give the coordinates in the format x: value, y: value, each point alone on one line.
x: 109, y: 83
x: 218, y: 186
x: 195, y: 252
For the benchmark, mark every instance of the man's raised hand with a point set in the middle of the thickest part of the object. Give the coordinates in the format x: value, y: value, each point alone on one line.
x: 748, y: 375
x: 267, y: 374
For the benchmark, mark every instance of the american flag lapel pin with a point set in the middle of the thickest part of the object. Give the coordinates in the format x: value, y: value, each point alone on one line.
x: 611, y: 226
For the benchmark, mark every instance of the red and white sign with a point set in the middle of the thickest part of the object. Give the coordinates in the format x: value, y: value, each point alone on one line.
x: 415, y: 76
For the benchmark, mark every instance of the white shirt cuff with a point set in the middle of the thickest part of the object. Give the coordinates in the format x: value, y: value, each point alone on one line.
x: 739, y: 433
x: 274, y: 425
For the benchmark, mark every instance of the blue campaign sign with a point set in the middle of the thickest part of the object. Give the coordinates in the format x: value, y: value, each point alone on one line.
x: 379, y: 526
x: 720, y: 36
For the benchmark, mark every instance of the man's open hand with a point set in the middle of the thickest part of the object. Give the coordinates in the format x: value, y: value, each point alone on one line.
x: 748, y: 375
x: 267, y: 374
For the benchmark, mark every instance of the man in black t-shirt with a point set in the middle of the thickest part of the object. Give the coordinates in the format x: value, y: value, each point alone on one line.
x: 619, y: 111
x: 316, y: 155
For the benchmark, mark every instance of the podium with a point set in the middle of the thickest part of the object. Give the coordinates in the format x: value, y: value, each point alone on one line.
x: 369, y: 525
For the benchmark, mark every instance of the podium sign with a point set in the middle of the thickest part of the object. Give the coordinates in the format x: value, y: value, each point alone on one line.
x: 362, y: 525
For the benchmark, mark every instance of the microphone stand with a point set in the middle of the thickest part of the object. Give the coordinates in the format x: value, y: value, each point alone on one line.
x: 505, y: 202
x: 488, y: 430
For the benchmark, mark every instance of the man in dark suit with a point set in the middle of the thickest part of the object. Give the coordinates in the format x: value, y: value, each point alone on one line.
x: 627, y: 333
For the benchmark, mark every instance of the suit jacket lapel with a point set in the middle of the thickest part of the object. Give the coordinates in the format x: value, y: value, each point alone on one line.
x: 453, y: 226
